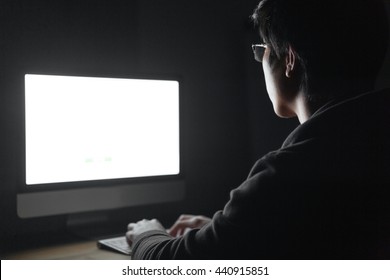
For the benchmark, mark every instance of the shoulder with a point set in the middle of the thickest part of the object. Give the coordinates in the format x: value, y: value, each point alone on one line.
x: 346, y: 117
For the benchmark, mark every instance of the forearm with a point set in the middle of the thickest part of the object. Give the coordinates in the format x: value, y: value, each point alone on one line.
x: 159, y: 245
x: 216, y: 240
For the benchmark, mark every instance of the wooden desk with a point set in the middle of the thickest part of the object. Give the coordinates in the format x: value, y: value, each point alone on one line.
x: 85, y: 250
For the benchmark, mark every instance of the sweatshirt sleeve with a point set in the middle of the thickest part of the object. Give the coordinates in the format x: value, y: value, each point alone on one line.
x: 233, y: 233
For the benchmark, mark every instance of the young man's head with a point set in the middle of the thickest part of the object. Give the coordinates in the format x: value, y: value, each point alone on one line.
x: 325, y: 49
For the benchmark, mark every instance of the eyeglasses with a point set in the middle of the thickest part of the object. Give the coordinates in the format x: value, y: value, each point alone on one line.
x: 258, y: 51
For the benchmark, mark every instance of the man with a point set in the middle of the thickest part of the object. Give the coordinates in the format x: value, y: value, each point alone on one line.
x: 325, y: 193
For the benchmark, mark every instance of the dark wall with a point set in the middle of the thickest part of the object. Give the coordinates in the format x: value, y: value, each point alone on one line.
x: 228, y: 118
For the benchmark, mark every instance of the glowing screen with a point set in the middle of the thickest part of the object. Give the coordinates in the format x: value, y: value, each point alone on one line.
x: 88, y: 128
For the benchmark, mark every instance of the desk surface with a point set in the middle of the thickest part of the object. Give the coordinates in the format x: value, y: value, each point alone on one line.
x: 86, y: 250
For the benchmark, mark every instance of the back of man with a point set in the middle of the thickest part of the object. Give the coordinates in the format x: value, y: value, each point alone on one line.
x: 330, y: 185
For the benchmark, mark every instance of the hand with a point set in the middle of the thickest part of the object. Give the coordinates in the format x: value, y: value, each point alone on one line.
x: 136, y: 229
x: 187, y: 222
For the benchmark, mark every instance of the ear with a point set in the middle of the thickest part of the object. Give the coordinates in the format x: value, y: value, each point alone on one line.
x: 290, y: 62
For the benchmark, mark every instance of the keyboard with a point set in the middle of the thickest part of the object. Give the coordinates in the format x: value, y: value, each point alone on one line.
x: 118, y: 244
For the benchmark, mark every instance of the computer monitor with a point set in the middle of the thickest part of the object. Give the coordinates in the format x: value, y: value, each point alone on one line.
x: 99, y: 143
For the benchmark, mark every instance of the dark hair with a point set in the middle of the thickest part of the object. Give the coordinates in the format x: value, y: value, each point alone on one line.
x: 339, y: 44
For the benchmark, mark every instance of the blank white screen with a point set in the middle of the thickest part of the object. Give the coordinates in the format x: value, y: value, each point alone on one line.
x: 87, y: 128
